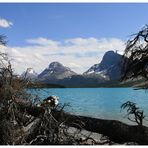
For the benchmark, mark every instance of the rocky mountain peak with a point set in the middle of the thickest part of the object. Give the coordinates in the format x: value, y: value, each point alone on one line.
x: 109, y: 67
x: 109, y: 58
x: 55, y: 65
x: 29, y: 73
x: 56, y: 70
x: 30, y: 70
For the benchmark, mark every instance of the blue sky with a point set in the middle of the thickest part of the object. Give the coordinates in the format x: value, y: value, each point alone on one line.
x: 60, y: 21
x: 65, y: 27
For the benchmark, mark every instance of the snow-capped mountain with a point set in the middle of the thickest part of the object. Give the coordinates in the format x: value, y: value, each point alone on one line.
x: 29, y: 73
x: 109, y: 67
x: 56, y: 71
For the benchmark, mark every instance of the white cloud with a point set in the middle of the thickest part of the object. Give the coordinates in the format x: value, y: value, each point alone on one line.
x: 74, y: 65
x: 43, y: 42
x: 5, y: 23
x: 82, y: 41
x: 77, y: 53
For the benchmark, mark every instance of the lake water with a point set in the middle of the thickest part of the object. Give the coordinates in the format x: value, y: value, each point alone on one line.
x: 98, y: 102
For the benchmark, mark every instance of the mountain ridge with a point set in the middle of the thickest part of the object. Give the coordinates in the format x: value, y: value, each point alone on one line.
x: 29, y: 74
x: 109, y: 67
x: 107, y: 70
x: 56, y: 70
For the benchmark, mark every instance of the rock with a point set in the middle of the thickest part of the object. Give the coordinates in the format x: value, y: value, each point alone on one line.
x: 109, y: 67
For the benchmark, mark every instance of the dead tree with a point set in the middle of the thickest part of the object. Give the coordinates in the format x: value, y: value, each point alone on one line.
x: 136, y: 63
x: 134, y: 113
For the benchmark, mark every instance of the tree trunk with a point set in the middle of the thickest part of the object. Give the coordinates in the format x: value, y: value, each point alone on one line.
x: 116, y: 131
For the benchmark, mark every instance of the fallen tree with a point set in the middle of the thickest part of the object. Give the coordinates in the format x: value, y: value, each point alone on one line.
x: 116, y: 131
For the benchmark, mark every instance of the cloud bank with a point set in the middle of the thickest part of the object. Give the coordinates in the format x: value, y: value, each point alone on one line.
x: 77, y: 53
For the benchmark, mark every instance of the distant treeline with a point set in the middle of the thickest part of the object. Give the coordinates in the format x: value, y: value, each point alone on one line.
x: 43, y: 85
x: 108, y: 84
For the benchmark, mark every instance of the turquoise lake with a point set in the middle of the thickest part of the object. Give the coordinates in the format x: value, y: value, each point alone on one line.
x: 97, y: 102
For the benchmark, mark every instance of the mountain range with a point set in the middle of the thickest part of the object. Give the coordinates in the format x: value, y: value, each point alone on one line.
x: 107, y: 70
